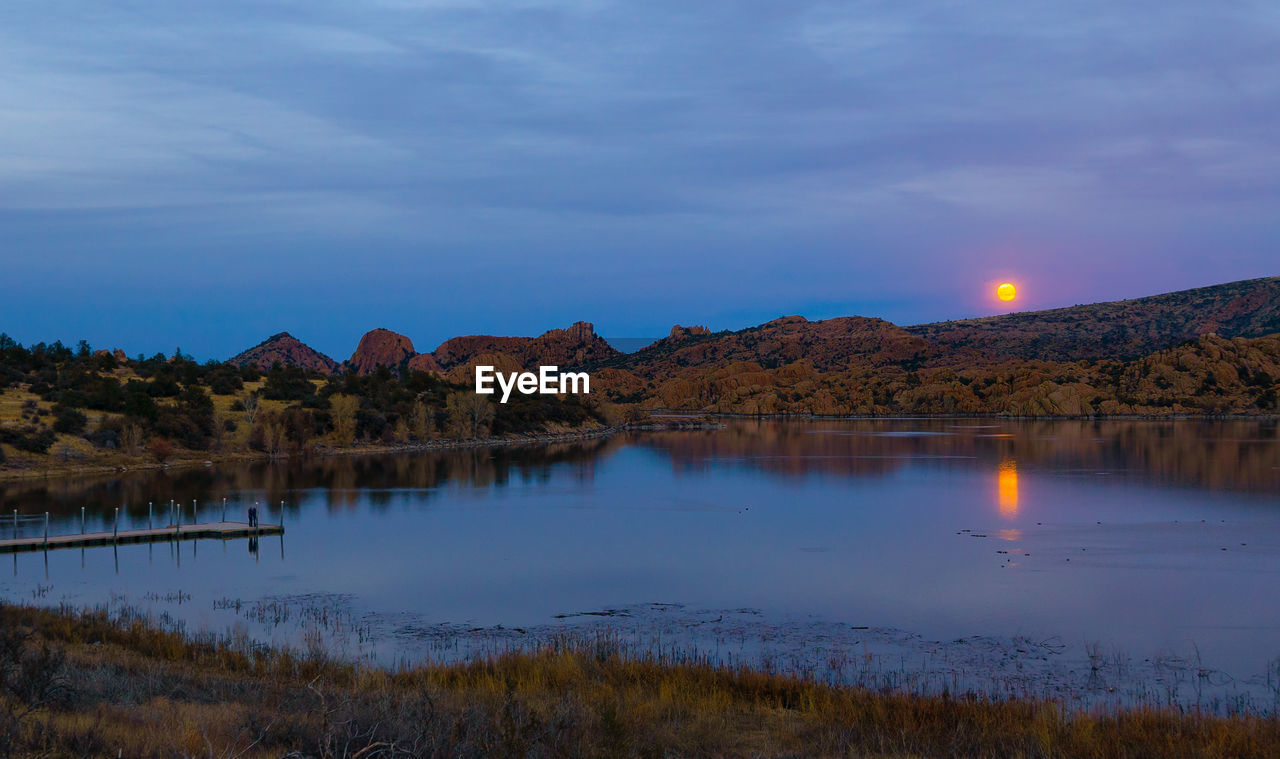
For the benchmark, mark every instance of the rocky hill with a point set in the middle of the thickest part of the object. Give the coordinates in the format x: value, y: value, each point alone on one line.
x: 1119, y: 329
x: 380, y: 347
x: 574, y: 347
x: 827, y: 344
x: 285, y: 349
x: 1211, y: 375
x: 1192, y: 352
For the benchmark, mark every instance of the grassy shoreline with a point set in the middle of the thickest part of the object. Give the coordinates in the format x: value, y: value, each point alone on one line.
x: 86, y: 684
x: 141, y: 465
x: 680, y: 420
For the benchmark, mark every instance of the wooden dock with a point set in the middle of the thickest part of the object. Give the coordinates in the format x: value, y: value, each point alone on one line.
x: 215, y: 530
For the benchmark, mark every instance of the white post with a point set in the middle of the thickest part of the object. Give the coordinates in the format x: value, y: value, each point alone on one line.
x: 149, y: 505
x: 224, y: 509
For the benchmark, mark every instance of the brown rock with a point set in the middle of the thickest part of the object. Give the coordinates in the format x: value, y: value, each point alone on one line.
x: 425, y: 362
x: 678, y: 331
x: 287, y: 350
x: 572, y: 347
x: 380, y: 347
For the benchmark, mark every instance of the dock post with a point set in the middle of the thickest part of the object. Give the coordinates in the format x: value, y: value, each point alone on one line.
x: 224, y: 509
x: 15, y: 524
x: 81, y: 520
x: 148, y: 515
x: 115, y: 530
x: 195, y: 512
x: 46, y: 528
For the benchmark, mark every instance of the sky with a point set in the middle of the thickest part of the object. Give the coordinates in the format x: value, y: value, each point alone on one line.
x: 202, y: 175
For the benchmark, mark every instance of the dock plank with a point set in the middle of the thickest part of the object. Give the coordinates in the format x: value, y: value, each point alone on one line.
x: 214, y: 530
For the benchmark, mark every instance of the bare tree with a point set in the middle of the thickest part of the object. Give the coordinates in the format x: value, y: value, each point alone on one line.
x: 469, y: 414
x: 421, y: 425
x: 274, y: 435
x: 250, y: 403
x: 342, y: 410
x: 131, y: 439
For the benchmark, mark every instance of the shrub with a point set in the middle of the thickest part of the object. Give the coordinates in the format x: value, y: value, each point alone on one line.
x: 31, y: 440
x: 161, y: 449
x: 69, y: 421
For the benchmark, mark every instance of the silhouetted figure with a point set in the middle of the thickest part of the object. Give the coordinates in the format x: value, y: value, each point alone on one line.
x: 253, y: 516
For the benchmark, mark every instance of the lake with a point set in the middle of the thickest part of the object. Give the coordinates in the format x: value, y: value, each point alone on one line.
x: 1106, y: 561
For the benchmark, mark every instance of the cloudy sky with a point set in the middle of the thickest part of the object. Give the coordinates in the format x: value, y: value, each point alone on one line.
x: 205, y: 174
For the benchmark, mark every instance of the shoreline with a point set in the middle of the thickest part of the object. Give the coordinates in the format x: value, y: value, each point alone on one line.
x: 575, y: 695
x: 675, y: 420
x: 442, y: 444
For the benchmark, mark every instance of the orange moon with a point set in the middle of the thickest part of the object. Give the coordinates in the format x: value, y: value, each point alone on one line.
x: 1006, y: 291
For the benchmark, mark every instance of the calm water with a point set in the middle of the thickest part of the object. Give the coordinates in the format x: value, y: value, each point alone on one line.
x: 1141, y: 537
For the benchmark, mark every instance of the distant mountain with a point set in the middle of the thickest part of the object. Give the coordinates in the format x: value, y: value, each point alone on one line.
x: 1195, y: 351
x: 285, y: 349
x: 574, y: 347
x: 828, y: 344
x: 380, y: 347
x: 1119, y: 329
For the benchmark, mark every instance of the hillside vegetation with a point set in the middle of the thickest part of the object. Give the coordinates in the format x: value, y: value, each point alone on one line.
x: 1210, y: 375
x: 1211, y: 350
x: 1119, y: 329
x: 66, y: 409
x: 1208, y: 351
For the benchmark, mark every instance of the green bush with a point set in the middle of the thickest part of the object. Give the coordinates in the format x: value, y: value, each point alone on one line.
x: 69, y: 421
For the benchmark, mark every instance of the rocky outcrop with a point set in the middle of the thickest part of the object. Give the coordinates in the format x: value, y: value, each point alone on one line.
x: 833, y: 343
x: 576, y: 346
x: 380, y: 347
x: 678, y: 332
x: 117, y: 354
x: 464, y: 349
x: 425, y: 362
x: 287, y: 350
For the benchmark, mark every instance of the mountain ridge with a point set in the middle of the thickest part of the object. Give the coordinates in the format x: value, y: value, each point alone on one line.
x: 284, y: 348
x: 1122, y: 329
x: 1118, y: 329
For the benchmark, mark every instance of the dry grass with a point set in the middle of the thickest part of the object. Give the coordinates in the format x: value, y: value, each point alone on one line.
x: 121, y: 686
x: 72, y: 454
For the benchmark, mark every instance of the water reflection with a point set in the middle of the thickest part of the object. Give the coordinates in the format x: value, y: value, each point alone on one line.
x: 1133, y: 532
x: 1223, y: 455
x: 347, y: 483
x: 1007, y: 488
x: 1237, y: 455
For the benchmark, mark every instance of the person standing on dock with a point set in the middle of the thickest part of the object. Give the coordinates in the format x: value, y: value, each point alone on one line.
x: 253, y: 516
